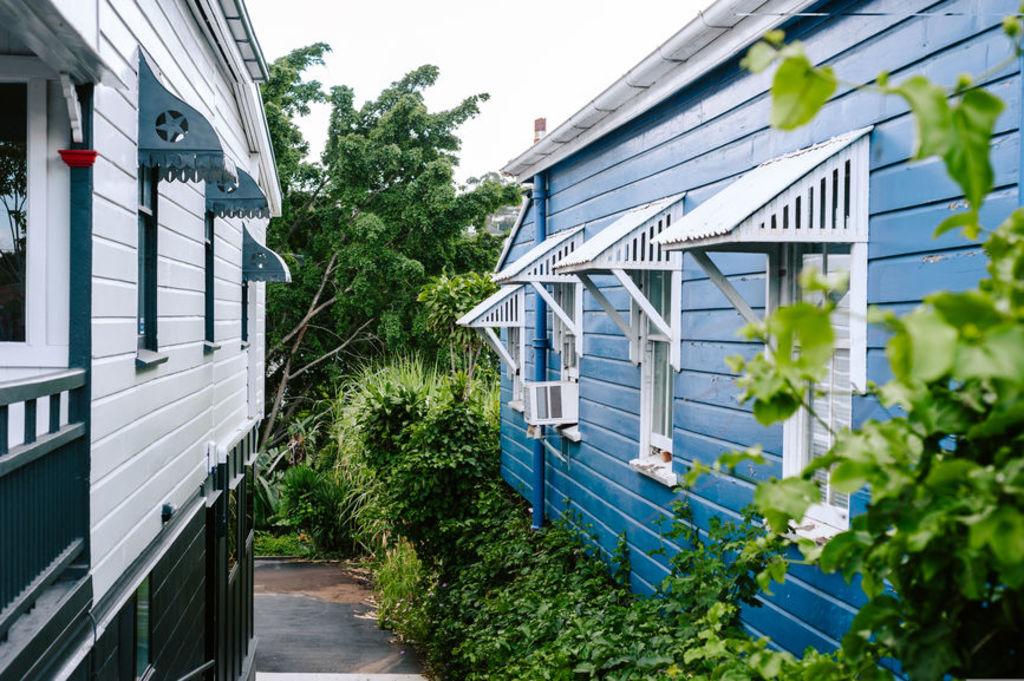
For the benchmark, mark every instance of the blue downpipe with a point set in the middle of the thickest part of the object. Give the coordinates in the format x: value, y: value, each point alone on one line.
x: 540, y: 348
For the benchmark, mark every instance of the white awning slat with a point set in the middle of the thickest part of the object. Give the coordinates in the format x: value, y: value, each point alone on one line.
x: 628, y: 243
x: 814, y: 195
x: 539, y: 263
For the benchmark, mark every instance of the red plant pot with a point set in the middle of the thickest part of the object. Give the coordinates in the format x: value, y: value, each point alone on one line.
x: 78, y: 158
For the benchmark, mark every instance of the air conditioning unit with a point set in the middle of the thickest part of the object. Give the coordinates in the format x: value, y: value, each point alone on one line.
x: 552, y: 403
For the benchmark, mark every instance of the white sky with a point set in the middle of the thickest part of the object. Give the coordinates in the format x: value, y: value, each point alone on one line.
x: 536, y: 59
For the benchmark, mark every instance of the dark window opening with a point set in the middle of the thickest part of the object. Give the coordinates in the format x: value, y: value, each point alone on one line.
x: 245, y: 312
x: 208, y: 310
x: 233, y: 499
x: 13, y: 213
x: 147, y: 251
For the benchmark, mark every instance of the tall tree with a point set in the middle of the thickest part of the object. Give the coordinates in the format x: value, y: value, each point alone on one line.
x: 365, y: 228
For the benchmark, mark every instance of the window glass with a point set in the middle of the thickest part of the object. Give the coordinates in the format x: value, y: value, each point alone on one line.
x: 562, y: 336
x: 658, y: 292
x: 232, y: 528
x: 514, y: 345
x: 245, y: 312
x: 661, y: 418
x: 13, y: 213
x: 142, y: 628
x: 147, y: 255
x: 209, y: 310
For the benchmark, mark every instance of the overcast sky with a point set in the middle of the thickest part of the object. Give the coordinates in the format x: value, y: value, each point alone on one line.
x: 540, y: 59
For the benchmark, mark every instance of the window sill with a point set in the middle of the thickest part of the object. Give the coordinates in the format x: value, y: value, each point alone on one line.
x: 144, y: 359
x: 571, y: 433
x: 517, y: 405
x: 655, y: 469
x: 210, y: 347
x: 815, y: 530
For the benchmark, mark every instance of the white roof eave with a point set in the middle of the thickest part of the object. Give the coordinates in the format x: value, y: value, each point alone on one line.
x: 723, y: 212
x: 481, y: 308
x: 594, y: 247
x: 534, y: 254
x: 723, y: 30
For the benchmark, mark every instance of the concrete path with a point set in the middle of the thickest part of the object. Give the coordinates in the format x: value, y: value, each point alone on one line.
x: 315, y: 622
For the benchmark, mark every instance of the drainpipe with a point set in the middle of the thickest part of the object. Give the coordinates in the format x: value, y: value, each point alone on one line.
x: 540, y: 347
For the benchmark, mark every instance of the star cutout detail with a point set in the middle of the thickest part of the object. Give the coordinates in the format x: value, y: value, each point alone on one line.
x: 171, y: 126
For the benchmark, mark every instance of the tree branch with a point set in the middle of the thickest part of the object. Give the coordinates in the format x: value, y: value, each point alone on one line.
x: 333, y: 352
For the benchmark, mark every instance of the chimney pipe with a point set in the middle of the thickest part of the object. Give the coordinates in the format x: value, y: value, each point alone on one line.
x: 540, y: 128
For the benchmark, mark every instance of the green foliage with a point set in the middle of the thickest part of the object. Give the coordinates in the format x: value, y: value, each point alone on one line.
x: 320, y: 505
x: 446, y: 299
x: 364, y: 229
x: 940, y: 549
x: 289, y: 544
x: 397, y: 579
x: 541, y: 605
x: 430, y: 446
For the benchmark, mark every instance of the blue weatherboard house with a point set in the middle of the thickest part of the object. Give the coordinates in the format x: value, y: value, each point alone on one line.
x: 666, y: 214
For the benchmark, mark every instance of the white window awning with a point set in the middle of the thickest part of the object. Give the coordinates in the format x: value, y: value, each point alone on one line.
x: 503, y: 309
x: 628, y: 243
x: 813, y: 195
x: 538, y: 264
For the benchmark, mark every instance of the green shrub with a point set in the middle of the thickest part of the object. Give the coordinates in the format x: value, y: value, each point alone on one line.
x: 398, y: 576
x: 318, y: 503
x: 291, y: 544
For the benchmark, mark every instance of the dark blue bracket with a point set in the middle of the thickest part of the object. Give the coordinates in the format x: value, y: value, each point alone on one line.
x: 244, y: 199
x: 176, y: 138
x: 259, y: 263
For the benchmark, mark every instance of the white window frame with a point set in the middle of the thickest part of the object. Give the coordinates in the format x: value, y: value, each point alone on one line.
x: 47, y: 246
x: 564, y: 339
x: 517, y: 349
x: 784, y: 265
x: 655, y: 447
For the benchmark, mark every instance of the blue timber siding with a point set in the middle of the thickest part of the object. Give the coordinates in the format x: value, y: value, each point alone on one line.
x: 699, y: 140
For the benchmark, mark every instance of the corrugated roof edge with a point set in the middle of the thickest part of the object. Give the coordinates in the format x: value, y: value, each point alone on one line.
x: 731, y: 25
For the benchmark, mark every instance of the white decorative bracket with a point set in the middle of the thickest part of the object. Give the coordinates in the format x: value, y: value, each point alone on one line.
x: 606, y: 305
x: 74, y: 107
x: 494, y: 343
x: 672, y: 327
x: 557, y: 309
x: 725, y: 286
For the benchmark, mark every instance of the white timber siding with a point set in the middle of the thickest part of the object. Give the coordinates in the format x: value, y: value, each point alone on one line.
x: 151, y: 427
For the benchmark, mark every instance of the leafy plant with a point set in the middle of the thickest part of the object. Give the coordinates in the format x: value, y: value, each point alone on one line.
x: 290, y: 544
x: 446, y: 299
x: 319, y: 504
x: 940, y: 548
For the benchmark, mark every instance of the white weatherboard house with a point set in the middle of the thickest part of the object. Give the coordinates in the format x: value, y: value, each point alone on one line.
x: 136, y: 181
x: 666, y: 214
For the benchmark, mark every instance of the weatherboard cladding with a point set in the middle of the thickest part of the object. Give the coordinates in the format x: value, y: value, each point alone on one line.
x: 699, y: 141
x: 151, y: 427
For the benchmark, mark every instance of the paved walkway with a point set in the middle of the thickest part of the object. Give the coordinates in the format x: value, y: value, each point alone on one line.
x: 314, y: 622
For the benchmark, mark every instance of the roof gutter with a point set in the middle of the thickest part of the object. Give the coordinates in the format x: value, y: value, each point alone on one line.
x: 62, y: 43
x: 718, y: 33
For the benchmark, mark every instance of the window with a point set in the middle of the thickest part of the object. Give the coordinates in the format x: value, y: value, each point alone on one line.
x: 134, y: 635
x: 656, y: 378
x: 208, y: 310
x: 13, y: 210
x: 147, y: 250
x: 232, y: 538
x: 563, y: 339
x: 514, y: 338
x: 143, y: 654
x: 808, y: 436
x: 245, y: 314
